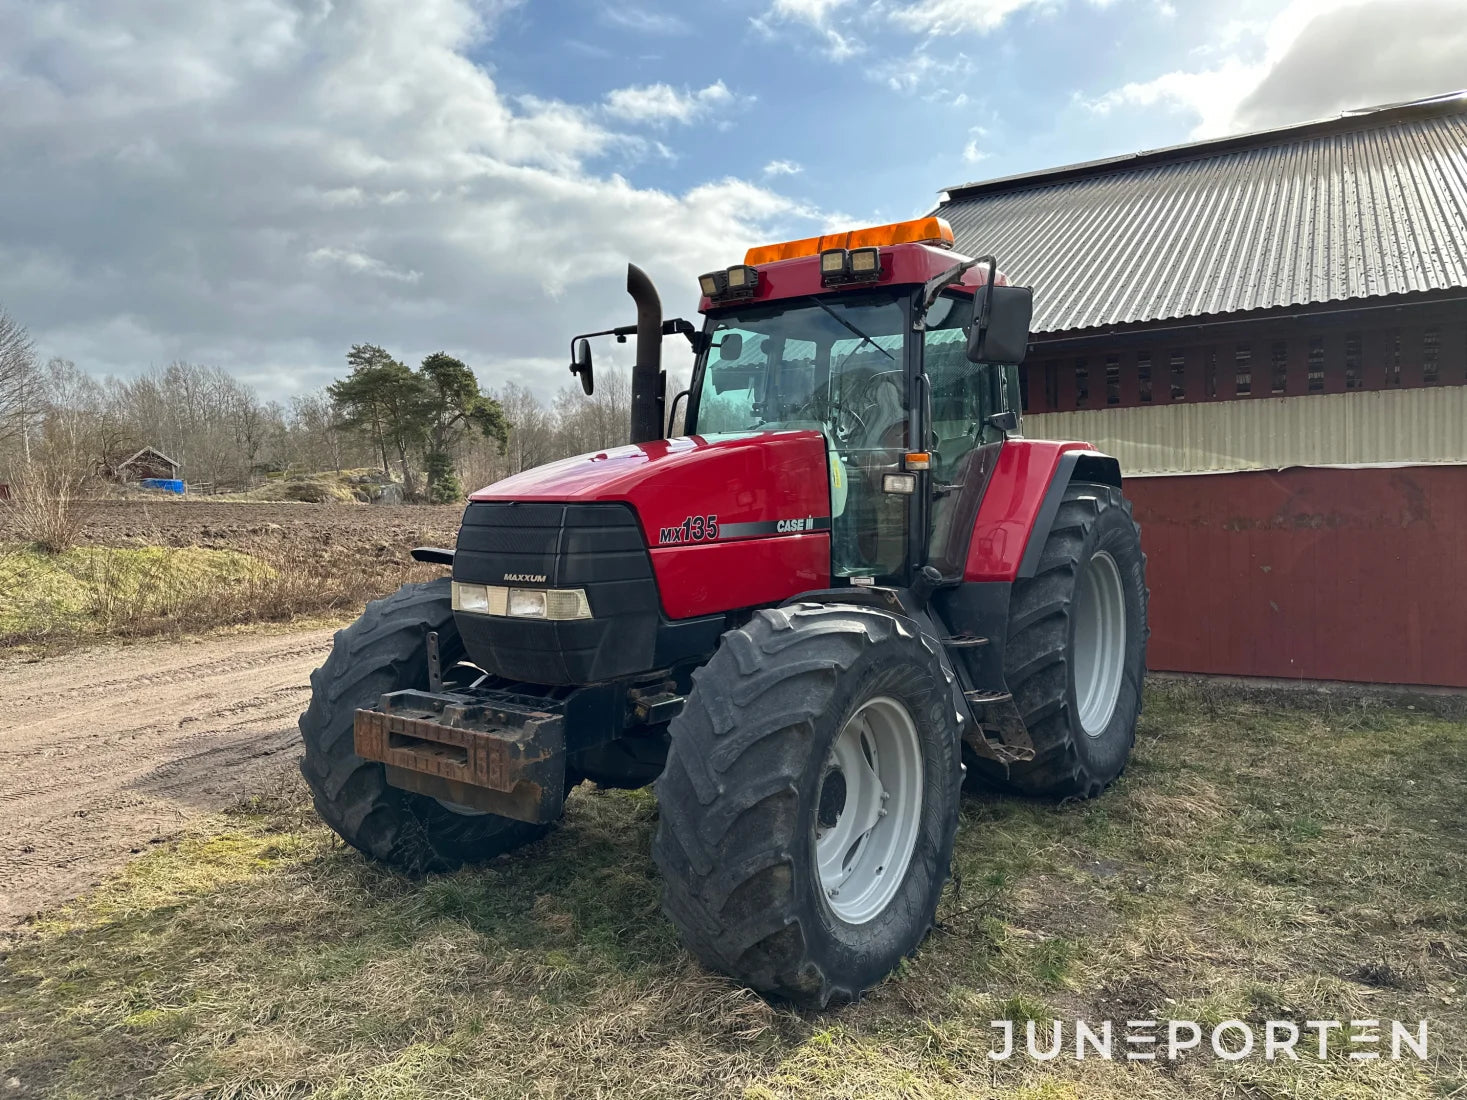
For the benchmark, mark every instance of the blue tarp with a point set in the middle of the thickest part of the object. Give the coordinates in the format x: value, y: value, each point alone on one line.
x: 167, y: 484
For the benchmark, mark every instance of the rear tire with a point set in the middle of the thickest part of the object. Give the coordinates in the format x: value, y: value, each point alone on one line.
x: 385, y: 650
x: 755, y: 795
x: 1075, y: 658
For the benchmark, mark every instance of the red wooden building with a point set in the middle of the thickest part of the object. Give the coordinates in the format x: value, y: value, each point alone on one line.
x: 1270, y: 332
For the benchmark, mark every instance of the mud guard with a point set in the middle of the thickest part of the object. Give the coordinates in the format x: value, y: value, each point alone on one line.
x: 1073, y: 466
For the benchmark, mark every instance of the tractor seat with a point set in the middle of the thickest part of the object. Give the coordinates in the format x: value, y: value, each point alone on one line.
x: 883, y: 414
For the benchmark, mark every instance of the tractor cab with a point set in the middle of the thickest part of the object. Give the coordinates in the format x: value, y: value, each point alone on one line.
x: 864, y: 337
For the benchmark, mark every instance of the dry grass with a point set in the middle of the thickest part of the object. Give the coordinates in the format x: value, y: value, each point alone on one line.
x: 1257, y: 861
x: 52, y: 601
x: 152, y: 582
x: 48, y: 506
x: 345, y: 487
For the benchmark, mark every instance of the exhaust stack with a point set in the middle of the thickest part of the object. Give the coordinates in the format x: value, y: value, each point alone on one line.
x: 647, y: 386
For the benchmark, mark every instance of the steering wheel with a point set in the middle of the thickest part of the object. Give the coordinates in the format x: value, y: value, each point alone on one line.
x: 845, y: 423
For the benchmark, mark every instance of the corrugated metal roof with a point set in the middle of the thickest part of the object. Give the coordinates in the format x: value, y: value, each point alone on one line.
x: 1364, y: 206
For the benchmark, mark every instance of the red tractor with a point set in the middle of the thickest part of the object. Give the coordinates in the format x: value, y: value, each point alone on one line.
x: 802, y: 618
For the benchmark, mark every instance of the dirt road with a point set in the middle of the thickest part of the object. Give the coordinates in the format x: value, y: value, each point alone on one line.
x: 105, y: 750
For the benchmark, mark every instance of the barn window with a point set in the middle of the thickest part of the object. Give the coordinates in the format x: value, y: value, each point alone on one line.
x: 1082, y: 384
x: 1179, y: 380
x: 1352, y: 361
x: 1112, y: 380
x: 1316, y: 364
x: 1393, y: 368
x: 1431, y: 350
x: 1143, y: 374
x: 1280, y: 366
x: 1243, y: 370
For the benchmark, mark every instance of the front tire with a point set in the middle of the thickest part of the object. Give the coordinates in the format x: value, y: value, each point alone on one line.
x: 385, y: 650
x: 1075, y: 658
x: 778, y: 866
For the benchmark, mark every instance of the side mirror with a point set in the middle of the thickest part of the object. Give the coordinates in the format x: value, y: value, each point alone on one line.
x: 581, y: 364
x: 1000, y: 329
x: 731, y: 347
x: 1006, y: 421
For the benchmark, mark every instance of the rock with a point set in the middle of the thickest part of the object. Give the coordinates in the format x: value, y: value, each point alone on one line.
x: 390, y: 494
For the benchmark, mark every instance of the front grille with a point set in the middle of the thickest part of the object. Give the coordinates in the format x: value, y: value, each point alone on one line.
x: 597, y: 547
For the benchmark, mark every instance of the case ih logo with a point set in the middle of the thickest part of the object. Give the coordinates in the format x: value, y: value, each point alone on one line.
x: 789, y: 526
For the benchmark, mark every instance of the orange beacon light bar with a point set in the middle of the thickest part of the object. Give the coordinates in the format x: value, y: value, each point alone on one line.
x: 917, y: 231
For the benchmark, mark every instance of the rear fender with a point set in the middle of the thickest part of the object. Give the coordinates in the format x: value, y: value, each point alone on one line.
x: 1020, y: 501
x: 1021, y: 496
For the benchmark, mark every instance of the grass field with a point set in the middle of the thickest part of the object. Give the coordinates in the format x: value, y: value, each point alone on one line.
x: 168, y: 567
x: 1262, y: 859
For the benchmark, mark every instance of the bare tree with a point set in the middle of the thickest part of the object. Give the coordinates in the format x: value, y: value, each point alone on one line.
x: 677, y: 411
x: 313, y: 438
x: 19, y: 384
x: 597, y: 422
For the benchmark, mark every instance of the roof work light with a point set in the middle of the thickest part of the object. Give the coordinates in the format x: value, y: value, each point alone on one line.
x: 743, y: 281
x: 739, y: 281
x: 834, y: 264
x: 839, y: 267
x: 866, y: 263
x: 713, y: 284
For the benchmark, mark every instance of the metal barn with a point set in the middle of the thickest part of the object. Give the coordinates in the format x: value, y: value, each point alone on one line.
x: 1270, y: 332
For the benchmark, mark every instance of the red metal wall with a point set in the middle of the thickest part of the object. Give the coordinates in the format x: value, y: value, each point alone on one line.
x: 1310, y: 573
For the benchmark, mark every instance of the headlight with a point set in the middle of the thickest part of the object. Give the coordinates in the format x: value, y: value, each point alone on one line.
x: 527, y: 603
x: 470, y: 597
x: 555, y: 604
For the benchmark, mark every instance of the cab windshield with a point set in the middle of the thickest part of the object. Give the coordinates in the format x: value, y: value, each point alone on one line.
x: 835, y: 364
x: 829, y: 363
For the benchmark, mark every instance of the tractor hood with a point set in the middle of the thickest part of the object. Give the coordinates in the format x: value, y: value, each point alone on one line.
x: 694, y: 489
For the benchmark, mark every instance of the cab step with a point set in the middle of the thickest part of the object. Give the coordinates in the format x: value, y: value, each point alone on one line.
x: 964, y: 641
x: 987, y: 698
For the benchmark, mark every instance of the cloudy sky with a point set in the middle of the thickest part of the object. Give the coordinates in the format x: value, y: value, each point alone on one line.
x: 258, y: 184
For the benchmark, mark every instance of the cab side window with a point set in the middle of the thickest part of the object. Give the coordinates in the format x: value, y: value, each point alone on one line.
x: 964, y: 394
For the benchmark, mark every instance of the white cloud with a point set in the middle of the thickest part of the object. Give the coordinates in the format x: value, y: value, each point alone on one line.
x: 935, y: 78
x: 972, y: 152
x: 939, y: 17
x: 837, y: 22
x: 814, y: 12
x: 259, y: 185
x: 642, y: 21
x: 1212, y: 95
x: 839, y: 42
x: 783, y: 168
x: 662, y: 103
x: 1313, y: 59
x: 361, y: 264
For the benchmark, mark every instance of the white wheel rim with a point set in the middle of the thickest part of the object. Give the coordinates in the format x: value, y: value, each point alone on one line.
x: 869, y: 810
x: 460, y: 809
x: 1100, y: 642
